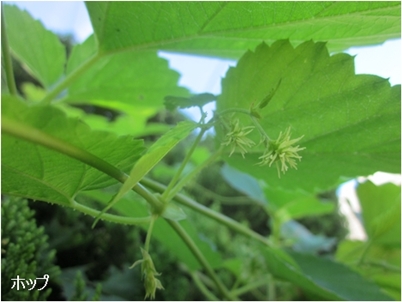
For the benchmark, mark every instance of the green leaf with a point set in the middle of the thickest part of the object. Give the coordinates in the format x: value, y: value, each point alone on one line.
x: 39, y: 173
x: 351, y: 252
x: 132, y: 82
x: 381, y: 212
x: 172, y: 102
x: 305, y: 207
x: 154, y: 155
x: 380, y: 263
x: 337, y: 112
x: 269, y: 96
x: 37, y: 48
x: 33, y: 92
x: 324, y: 278
x: 174, y: 212
x: 229, y: 28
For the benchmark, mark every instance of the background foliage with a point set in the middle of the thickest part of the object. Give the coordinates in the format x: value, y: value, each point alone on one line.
x: 102, y: 105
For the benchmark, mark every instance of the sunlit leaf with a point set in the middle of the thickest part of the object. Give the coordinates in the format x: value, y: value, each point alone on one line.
x: 381, y: 212
x: 39, y: 173
x: 349, y: 124
x: 38, y: 49
x: 131, y: 82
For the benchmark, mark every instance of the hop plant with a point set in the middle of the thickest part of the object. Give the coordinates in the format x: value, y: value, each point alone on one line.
x: 282, y: 150
x: 148, y: 272
x: 25, y: 251
x: 236, y: 138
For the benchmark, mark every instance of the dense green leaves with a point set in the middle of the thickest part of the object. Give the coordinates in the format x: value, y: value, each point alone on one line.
x: 321, y: 99
x: 228, y: 28
x: 36, y: 172
x: 37, y: 49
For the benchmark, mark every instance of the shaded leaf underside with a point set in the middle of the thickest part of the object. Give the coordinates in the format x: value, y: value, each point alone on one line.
x: 228, y: 28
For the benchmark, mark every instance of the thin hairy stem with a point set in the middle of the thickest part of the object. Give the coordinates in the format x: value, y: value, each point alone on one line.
x: 111, y: 217
x: 201, y: 259
x: 250, y: 286
x: 194, y: 172
x: 149, y: 232
x: 182, y: 166
x: 229, y: 222
x: 234, y: 200
x: 207, y: 293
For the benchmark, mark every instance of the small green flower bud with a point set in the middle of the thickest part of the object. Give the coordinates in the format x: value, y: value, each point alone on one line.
x: 236, y: 138
x: 281, y: 150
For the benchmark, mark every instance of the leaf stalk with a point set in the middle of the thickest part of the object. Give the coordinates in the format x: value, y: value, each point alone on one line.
x: 182, y: 166
x: 37, y: 136
x: 69, y: 79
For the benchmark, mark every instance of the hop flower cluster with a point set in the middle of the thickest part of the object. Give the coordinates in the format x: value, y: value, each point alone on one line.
x: 148, y: 272
x: 236, y: 138
x: 282, y: 150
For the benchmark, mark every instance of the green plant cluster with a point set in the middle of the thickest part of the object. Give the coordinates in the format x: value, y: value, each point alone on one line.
x: 25, y: 252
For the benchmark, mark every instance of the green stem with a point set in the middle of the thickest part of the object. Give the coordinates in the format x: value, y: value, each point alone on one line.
x: 182, y: 166
x: 111, y: 217
x: 149, y: 232
x: 190, y: 175
x: 207, y: 293
x: 230, y: 223
x: 36, y: 136
x: 235, y: 110
x: 259, y: 128
x: 271, y: 288
x: 8, y: 66
x: 201, y: 259
x: 71, y: 78
x: 249, y: 286
x: 234, y: 200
